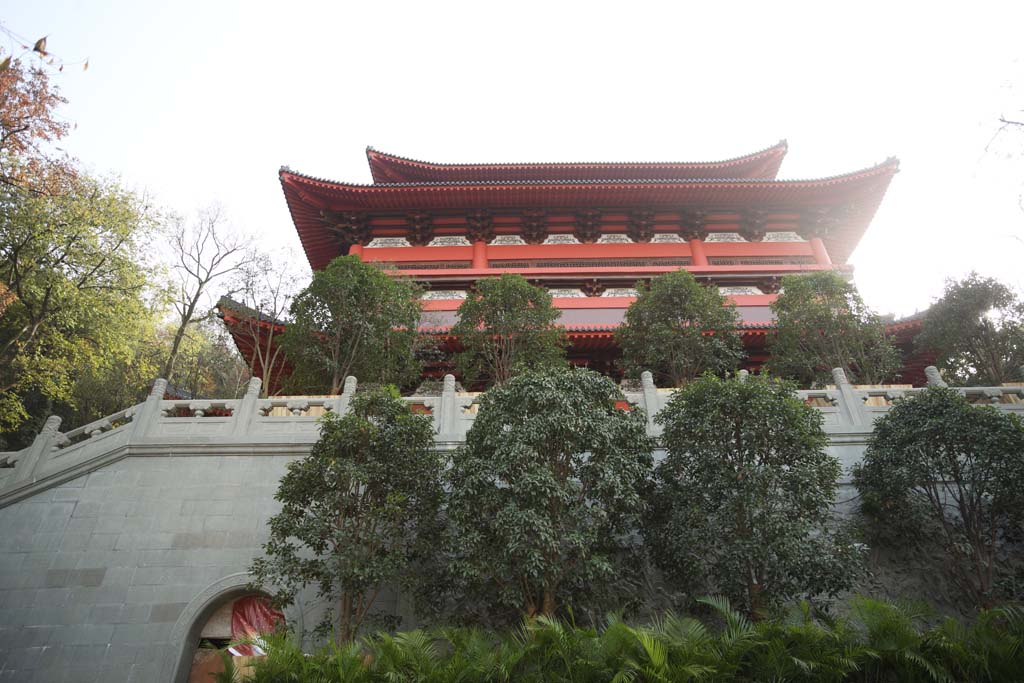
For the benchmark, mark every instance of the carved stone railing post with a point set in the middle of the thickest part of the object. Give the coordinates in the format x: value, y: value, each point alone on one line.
x: 650, y: 393
x: 149, y: 410
x: 931, y: 373
x: 245, y: 411
x: 348, y: 390
x: 447, y: 413
x: 36, y: 454
x: 851, y: 407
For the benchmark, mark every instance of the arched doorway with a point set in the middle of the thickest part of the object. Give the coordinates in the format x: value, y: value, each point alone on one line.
x: 208, y: 620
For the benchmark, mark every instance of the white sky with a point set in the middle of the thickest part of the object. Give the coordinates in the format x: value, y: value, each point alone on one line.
x: 202, y: 101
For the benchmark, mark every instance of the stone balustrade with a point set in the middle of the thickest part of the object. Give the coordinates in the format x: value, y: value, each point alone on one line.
x: 288, y: 425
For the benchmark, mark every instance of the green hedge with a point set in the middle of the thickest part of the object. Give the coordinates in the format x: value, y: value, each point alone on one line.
x: 877, y: 641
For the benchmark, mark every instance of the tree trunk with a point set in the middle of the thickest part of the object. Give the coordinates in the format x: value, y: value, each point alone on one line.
x: 345, y: 634
x: 186, y: 320
x: 548, y: 606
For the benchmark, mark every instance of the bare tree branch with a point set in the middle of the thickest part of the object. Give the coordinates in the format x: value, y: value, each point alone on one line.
x: 206, y: 251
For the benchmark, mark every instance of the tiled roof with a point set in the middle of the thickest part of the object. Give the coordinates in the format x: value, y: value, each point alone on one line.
x: 860, y: 192
x: 391, y: 168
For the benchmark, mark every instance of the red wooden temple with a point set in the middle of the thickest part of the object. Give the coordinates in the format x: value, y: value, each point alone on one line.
x: 590, y: 232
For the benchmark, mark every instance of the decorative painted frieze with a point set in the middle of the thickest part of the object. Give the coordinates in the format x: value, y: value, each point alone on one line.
x: 614, y: 238
x: 567, y: 293
x: 738, y: 291
x: 666, y: 238
x: 724, y: 237
x: 387, y: 242
x: 619, y: 291
x: 443, y: 295
x: 782, y: 237
x: 450, y: 241
x: 508, y: 241
x: 561, y: 239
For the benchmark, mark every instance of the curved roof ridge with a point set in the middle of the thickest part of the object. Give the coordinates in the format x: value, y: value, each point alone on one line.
x: 389, y: 168
x: 890, y: 162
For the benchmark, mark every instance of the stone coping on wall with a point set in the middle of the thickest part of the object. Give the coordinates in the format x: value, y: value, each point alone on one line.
x: 288, y: 425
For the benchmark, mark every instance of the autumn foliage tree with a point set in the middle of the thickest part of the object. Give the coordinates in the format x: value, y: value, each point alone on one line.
x: 28, y: 125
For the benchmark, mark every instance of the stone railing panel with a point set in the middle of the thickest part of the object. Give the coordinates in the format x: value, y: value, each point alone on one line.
x: 190, y: 418
x: 303, y: 406
x: 252, y: 423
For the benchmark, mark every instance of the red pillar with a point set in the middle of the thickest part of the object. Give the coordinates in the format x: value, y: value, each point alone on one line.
x: 820, y: 253
x: 697, y: 255
x: 480, y: 254
x: 356, y: 250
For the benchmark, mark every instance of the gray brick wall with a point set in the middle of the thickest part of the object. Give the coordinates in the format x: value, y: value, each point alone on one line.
x: 94, y: 574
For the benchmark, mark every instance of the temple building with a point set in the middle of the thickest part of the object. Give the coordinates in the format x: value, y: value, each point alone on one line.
x: 590, y: 233
x: 126, y: 543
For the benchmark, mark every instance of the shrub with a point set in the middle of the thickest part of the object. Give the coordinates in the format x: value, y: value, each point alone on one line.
x: 678, y: 329
x: 352, y: 319
x: 821, y: 324
x: 358, y: 513
x: 939, y: 466
x: 877, y: 642
x: 977, y: 329
x: 743, y: 498
x: 547, y: 490
x: 507, y: 326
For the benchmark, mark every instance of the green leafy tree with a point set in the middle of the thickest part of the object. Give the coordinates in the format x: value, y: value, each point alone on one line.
x: 352, y: 319
x: 939, y: 466
x: 357, y: 512
x: 678, y: 329
x: 547, y: 490
x: 506, y: 326
x: 821, y: 324
x: 977, y: 329
x: 743, y: 498
x: 72, y: 267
